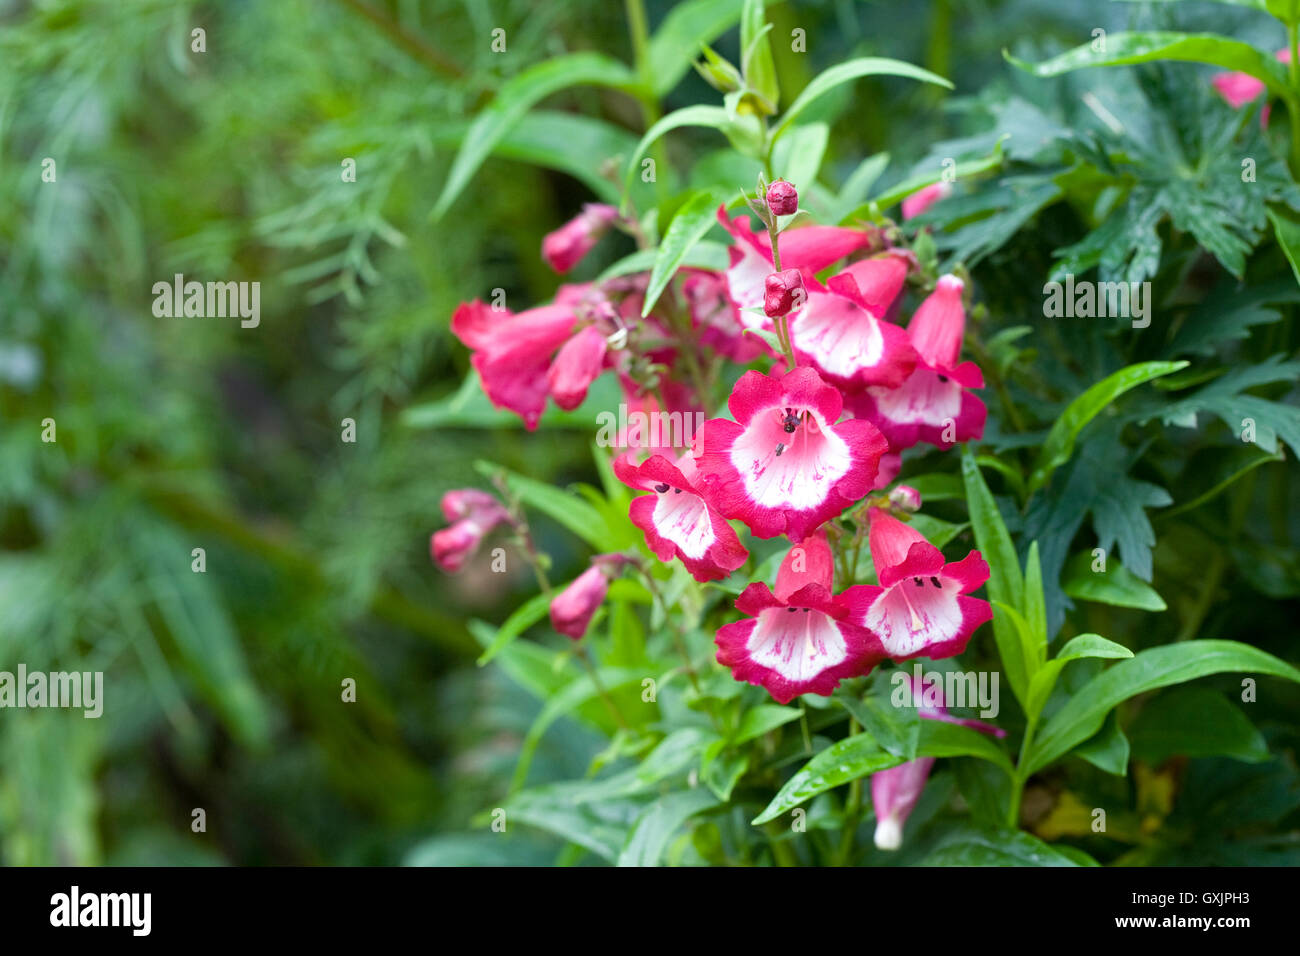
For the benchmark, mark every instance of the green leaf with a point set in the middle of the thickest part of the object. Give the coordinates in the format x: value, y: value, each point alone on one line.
x: 569, y: 510
x: 1005, y: 585
x: 1158, y: 667
x: 1035, y: 609
x: 652, y: 830
x: 695, y: 217
x: 570, y: 143
x: 1286, y: 228
x: 968, y: 846
x: 715, y: 117
x: 860, y: 756
x: 1085, y: 645
x: 1026, y: 652
x: 973, y: 167
x: 938, y: 487
x: 1116, y: 586
x: 703, y: 255
x: 515, y: 98
x: 1210, y: 471
x: 1059, y: 445
x: 1195, y: 722
x: 896, y: 729
x: 677, y: 39
x: 1145, y: 47
x: 798, y: 157
x: 1107, y: 750
x: 524, y: 617
x: 759, y: 720
x: 757, y: 65
x: 577, y: 692
x: 846, y: 72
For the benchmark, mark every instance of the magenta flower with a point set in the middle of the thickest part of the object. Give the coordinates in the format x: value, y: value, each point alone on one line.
x: 574, y: 607
x: 782, y: 291
x: 894, y: 792
x: 798, y: 640
x: 923, y: 199
x: 1240, y: 88
x: 841, y: 331
x: 782, y: 198
x: 565, y: 247
x: 472, y: 514
x: 677, y: 520
x: 932, y: 404
x: 578, y: 363
x: 809, y: 249
x: 715, y: 317
x: 784, y: 466
x: 920, y: 608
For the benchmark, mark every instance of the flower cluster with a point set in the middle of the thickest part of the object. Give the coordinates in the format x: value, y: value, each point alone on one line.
x: 848, y: 388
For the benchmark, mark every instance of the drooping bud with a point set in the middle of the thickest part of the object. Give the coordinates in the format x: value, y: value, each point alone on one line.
x: 783, y: 292
x: 574, y: 607
x: 782, y: 198
x: 473, y: 514
x: 565, y: 247
x: 923, y: 199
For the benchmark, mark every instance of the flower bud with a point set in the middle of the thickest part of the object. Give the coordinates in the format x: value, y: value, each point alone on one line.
x: 574, y: 607
x: 473, y: 514
x: 783, y: 292
x: 905, y: 498
x: 565, y: 247
x: 782, y: 198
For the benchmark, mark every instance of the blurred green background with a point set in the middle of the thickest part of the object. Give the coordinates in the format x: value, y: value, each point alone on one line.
x: 223, y: 688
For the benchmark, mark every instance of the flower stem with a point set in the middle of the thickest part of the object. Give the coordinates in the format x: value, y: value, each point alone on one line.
x: 1021, y: 775
x: 599, y: 685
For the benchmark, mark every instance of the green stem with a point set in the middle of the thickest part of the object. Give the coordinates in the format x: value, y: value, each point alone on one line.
x: 597, y: 683
x: 852, y: 811
x: 1021, y: 774
x: 640, y: 32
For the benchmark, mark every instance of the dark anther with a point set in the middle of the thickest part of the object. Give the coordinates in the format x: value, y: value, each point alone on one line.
x: 918, y: 582
x: 807, y: 609
x: 790, y: 427
x: 677, y: 491
x: 943, y: 378
x: 779, y: 449
x: 661, y: 488
x: 792, y: 609
x: 935, y: 582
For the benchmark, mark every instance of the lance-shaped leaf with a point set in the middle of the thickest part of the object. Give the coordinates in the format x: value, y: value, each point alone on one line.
x: 519, y: 94
x: 1059, y: 445
x: 842, y: 73
x: 1145, y: 47
x: 1158, y: 667
x: 696, y: 216
x: 860, y: 756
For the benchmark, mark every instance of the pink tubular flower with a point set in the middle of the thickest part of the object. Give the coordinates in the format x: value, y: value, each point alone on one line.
x: 715, y: 317
x: 933, y: 404
x: 894, y: 792
x: 905, y: 497
x: 472, y: 514
x: 574, y: 607
x: 784, y: 466
x: 920, y: 608
x: 840, y: 330
x: 565, y: 247
x: 797, y: 641
x: 513, y: 352
x: 1240, y: 88
x: 782, y: 291
x: 677, y: 520
x: 809, y: 249
x: 923, y: 199
x: 578, y: 363
x: 782, y: 198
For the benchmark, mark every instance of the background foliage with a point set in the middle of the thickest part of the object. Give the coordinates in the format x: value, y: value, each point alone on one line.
x: 223, y: 688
